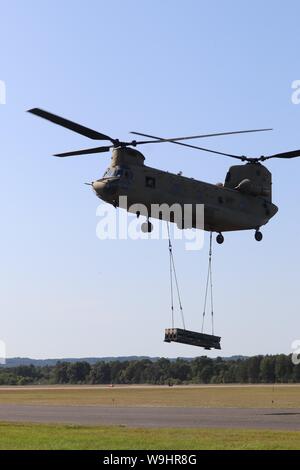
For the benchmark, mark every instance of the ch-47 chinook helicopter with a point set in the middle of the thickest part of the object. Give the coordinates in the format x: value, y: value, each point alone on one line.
x: 243, y: 202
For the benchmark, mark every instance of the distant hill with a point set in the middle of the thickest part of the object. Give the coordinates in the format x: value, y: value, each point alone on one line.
x: 25, y: 361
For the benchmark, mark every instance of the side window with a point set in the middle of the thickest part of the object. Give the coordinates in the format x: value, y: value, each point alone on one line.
x: 150, y: 182
x: 119, y: 172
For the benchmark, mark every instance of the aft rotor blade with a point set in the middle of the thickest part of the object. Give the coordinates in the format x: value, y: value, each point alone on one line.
x: 73, y: 126
x: 293, y: 154
x: 177, y: 139
x: 159, y: 139
x: 84, y: 152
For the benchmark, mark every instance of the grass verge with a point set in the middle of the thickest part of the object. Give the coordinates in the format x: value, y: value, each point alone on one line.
x: 282, y: 396
x: 47, y: 436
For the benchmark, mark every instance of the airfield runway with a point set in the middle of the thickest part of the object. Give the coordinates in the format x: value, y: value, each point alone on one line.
x: 146, y: 416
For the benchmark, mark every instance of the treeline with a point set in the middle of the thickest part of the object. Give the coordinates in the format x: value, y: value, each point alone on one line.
x: 257, y: 369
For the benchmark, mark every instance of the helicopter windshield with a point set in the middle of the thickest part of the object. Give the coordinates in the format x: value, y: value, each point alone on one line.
x: 110, y: 172
x: 116, y: 172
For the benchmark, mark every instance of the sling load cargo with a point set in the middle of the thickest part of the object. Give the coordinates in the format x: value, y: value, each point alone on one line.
x: 182, y: 335
x: 193, y: 338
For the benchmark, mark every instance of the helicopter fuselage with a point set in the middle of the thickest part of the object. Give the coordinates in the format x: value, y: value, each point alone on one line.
x: 243, y: 202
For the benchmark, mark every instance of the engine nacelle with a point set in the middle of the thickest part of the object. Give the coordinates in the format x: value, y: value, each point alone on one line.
x: 253, y: 179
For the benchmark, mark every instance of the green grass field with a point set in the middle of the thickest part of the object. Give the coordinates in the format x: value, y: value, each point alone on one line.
x: 50, y: 436
x: 39, y: 436
x: 282, y: 396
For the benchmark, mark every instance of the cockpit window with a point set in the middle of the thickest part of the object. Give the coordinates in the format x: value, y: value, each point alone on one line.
x: 109, y: 172
x: 117, y: 171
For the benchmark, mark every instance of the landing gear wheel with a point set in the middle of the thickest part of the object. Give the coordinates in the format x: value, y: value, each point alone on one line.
x: 258, y: 236
x: 147, y: 227
x: 220, y: 239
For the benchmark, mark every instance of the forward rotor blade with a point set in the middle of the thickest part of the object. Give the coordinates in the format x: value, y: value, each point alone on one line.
x: 84, y: 152
x: 73, y: 126
x: 293, y: 154
x: 159, y: 139
x: 177, y: 139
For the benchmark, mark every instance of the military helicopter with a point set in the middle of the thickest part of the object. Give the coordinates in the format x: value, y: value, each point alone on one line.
x: 243, y: 202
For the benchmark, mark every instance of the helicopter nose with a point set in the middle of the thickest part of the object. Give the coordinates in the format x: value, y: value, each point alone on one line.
x: 99, y: 187
x: 106, y: 188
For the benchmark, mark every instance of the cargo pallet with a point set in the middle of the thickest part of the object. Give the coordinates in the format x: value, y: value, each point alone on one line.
x: 178, y: 335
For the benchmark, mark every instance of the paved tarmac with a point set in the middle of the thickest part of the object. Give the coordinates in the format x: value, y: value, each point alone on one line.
x: 145, y: 416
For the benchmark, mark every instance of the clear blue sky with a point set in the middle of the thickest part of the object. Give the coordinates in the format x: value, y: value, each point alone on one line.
x: 167, y: 68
